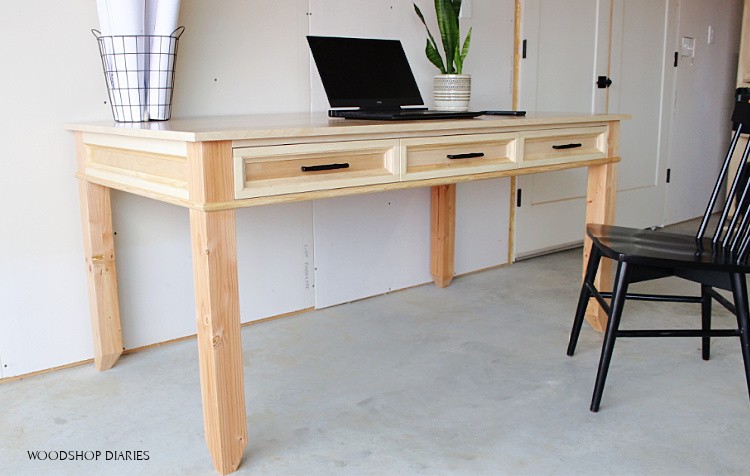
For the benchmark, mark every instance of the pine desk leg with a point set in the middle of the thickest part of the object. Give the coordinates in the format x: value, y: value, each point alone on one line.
x: 600, y: 208
x: 443, y: 234
x: 101, y: 273
x: 214, y: 249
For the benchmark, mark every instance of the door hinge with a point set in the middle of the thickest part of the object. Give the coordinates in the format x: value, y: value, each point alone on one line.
x: 518, y: 197
x: 523, y: 49
x: 669, y: 174
x: 676, y: 58
x: 603, y: 82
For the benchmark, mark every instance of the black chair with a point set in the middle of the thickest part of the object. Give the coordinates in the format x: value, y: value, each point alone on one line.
x: 715, y: 261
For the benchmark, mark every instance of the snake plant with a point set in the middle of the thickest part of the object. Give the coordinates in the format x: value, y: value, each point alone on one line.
x: 447, y: 18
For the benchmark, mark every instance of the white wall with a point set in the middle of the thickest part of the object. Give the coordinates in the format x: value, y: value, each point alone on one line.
x: 49, y: 64
x: 235, y: 58
x: 703, y: 100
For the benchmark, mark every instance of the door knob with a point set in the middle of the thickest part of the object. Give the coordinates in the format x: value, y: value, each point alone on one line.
x: 603, y: 82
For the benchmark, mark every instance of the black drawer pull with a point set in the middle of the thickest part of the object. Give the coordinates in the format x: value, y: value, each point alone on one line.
x: 315, y: 168
x: 470, y: 155
x: 568, y: 146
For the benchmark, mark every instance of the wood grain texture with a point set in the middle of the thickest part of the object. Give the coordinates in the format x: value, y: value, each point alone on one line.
x: 214, y: 251
x: 539, y: 146
x: 262, y: 171
x: 101, y: 272
x: 442, y: 234
x: 384, y: 187
x: 217, y: 308
x: 210, y: 172
x: 601, y: 196
x: 289, y: 128
x: 153, y: 164
x: 600, y: 208
x: 428, y: 157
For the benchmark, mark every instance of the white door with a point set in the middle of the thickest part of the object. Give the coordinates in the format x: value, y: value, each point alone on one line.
x: 621, y: 39
x: 642, y: 68
x: 563, y: 57
x: 704, y: 95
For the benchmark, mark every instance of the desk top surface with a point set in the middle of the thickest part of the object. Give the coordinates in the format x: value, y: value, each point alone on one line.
x: 265, y: 126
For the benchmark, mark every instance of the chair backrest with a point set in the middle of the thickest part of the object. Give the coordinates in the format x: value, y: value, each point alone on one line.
x: 732, y: 232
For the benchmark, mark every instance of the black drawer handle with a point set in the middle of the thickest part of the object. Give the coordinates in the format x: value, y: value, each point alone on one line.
x: 315, y: 168
x: 568, y: 146
x: 470, y: 155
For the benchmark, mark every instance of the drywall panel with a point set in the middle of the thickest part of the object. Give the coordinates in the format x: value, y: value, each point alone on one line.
x: 275, y: 259
x: 482, y: 224
x: 47, y: 79
x: 229, y: 54
x: 378, y: 243
x: 242, y: 58
x: 370, y: 244
x: 155, y: 280
x: 154, y: 270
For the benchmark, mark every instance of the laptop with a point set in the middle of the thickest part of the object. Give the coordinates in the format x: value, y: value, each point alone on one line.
x: 372, y: 75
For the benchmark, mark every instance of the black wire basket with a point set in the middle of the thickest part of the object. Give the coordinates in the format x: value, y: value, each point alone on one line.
x: 139, y: 72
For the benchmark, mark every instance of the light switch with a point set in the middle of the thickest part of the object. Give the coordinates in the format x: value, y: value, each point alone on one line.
x: 687, y: 47
x: 711, y: 34
x: 465, y: 9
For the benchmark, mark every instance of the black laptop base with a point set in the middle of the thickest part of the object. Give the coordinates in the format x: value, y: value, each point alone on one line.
x: 402, y: 114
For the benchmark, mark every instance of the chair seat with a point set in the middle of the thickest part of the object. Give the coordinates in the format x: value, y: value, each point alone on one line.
x: 656, y: 248
x: 646, y: 255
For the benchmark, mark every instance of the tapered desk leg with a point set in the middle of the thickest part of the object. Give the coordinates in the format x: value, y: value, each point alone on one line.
x: 101, y: 273
x: 217, y: 309
x: 600, y: 208
x: 443, y: 234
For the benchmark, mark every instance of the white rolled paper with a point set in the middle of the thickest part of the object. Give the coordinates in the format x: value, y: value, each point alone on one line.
x: 161, y: 20
x: 139, y: 56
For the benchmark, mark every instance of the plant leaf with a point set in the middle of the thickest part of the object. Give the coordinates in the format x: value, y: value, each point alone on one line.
x: 457, y: 7
x: 458, y: 60
x: 448, y: 24
x: 464, y: 51
x: 434, y: 56
x: 431, y: 50
x: 460, y: 55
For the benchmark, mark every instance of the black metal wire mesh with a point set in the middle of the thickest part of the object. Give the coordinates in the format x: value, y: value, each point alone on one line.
x: 139, y: 73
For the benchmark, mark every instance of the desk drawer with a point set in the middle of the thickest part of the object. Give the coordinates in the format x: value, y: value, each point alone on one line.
x: 278, y: 170
x: 457, y: 155
x: 564, y: 145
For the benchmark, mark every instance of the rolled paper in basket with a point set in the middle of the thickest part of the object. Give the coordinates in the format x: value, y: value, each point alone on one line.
x: 161, y: 22
x: 125, y: 56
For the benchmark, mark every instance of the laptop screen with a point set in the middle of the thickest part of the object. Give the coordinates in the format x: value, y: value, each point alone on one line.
x: 364, y: 73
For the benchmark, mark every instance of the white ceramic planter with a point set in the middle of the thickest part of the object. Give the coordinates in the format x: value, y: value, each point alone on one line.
x: 452, y: 92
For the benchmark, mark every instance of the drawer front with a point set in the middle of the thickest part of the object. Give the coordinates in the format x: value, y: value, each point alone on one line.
x: 278, y: 170
x: 564, y: 145
x: 430, y: 157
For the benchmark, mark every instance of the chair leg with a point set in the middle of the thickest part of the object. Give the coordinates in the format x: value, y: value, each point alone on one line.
x: 706, y: 320
x: 583, y: 301
x: 619, y: 291
x: 739, y: 290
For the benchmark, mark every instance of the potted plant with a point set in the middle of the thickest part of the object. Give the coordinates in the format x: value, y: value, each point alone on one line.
x: 452, y: 88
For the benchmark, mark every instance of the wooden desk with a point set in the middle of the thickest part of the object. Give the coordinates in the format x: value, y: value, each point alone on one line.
x: 215, y: 165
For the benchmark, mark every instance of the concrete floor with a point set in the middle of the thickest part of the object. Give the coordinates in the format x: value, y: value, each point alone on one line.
x: 472, y: 379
